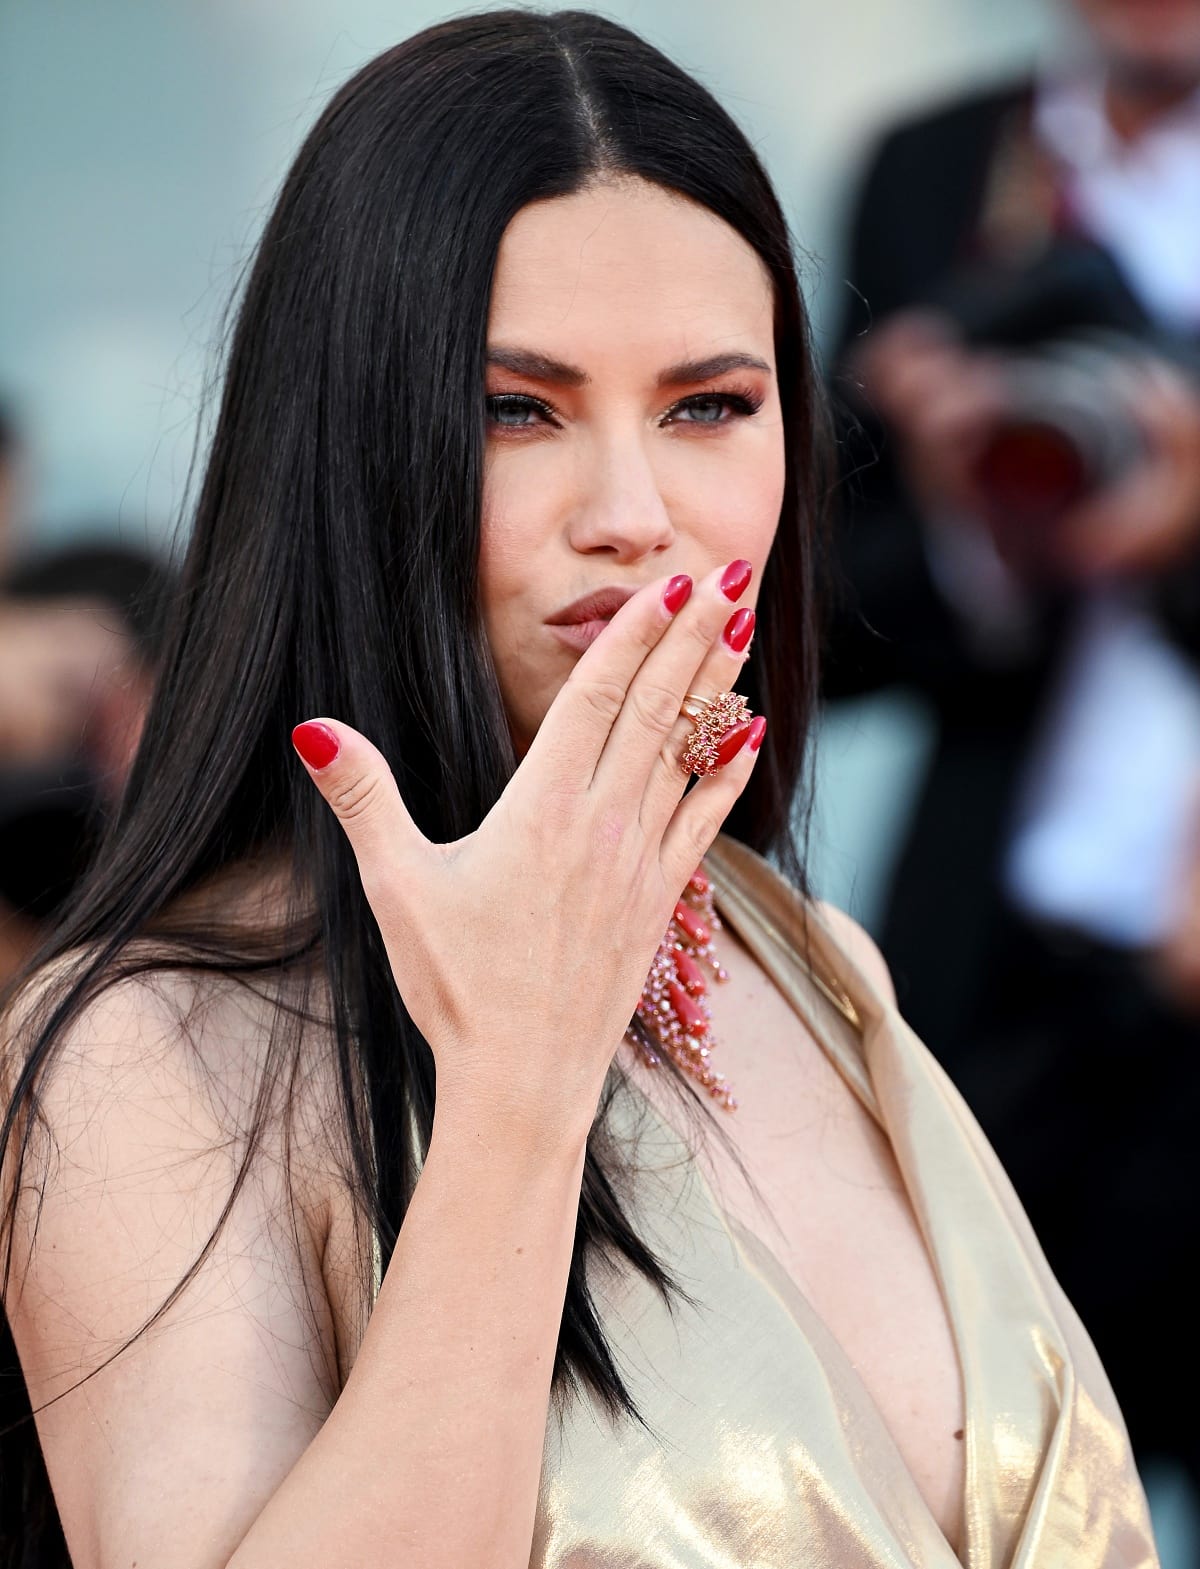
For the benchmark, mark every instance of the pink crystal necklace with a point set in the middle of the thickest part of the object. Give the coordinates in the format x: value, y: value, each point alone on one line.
x: 674, y: 1012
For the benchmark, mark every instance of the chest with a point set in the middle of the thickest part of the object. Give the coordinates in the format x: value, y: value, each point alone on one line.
x: 809, y: 1172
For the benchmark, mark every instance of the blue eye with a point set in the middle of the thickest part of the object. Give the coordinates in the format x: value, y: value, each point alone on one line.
x: 516, y: 411
x: 705, y: 411
x: 713, y: 408
x: 520, y: 411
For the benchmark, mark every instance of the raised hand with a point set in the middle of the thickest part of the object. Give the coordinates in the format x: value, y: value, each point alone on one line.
x: 520, y: 950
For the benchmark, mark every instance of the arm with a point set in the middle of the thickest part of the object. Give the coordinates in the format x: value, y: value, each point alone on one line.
x: 432, y: 1454
x: 220, y: 1438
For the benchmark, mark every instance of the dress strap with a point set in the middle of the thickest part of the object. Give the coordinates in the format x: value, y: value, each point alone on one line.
x: 836, y: 995
x: 792, y: 943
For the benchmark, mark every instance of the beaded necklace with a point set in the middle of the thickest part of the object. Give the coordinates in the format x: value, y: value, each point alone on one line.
x: 674, y: 1011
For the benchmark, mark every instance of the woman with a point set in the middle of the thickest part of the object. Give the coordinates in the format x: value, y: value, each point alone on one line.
x: 520, y: 431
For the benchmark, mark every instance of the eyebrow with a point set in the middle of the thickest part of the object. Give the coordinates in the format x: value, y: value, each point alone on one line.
x: 542, y: 367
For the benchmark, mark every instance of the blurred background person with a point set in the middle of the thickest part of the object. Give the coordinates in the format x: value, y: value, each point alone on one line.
x: 1020, y: 543
x: 78, y: 641
x: 135, y: 135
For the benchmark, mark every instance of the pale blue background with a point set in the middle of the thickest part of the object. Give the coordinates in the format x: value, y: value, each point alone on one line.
x: 141, y: 142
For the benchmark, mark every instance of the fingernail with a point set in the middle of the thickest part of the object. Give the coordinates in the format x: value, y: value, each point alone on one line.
x: 739, y: 629
x: 758, y: 729
x: 735, y: 578
x: 732, y: 742
x: 677, y: 593
x: 316, y: 743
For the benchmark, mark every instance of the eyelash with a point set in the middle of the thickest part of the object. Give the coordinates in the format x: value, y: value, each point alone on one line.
x: 739, y: 401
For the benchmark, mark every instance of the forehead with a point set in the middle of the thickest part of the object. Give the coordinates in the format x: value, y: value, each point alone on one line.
x: 627, y: 268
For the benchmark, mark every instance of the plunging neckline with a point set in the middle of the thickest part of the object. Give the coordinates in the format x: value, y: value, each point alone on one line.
x: 757, y: 1255
x: 760, y: 1443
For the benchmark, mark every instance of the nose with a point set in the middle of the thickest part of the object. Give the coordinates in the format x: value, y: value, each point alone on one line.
x: 620, y: 511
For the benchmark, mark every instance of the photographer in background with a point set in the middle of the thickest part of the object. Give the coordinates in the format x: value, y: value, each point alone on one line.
x: 1021, y: 544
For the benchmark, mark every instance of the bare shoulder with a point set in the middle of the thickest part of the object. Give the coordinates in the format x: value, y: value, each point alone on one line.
x: 168, y: 1077
x: 195, y: 1049
x: 168, y: 1293
x: 860, y: 946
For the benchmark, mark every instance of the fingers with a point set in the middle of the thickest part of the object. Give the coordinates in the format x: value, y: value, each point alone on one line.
x: 573, y: 734
x: 669, y: 776
x: 699, y: 817
x: 355, y: 780
x: 646, y: 742
x: 1150, y: 518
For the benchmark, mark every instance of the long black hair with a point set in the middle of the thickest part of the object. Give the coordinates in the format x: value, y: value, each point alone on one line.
x: 332, y: 569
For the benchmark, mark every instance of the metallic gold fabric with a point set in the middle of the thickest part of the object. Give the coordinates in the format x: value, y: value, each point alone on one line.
x: 761, y: 1447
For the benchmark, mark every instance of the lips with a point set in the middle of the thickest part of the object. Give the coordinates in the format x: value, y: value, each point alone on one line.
x: 600, y: 606
x: 580, y: 623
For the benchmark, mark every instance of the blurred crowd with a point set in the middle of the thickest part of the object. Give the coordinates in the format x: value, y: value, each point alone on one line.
x: 1018, y: 541
x: 78, y: 639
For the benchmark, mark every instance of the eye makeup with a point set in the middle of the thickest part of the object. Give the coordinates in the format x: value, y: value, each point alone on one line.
x: 510, y: 411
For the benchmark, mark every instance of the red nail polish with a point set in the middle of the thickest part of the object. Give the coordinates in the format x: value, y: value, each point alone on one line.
x: 732, y: 742
x: 677, y: 593
x: 758, y: 729
x: 739, y: 629
x: 736, y: 579
x: 316, y: 743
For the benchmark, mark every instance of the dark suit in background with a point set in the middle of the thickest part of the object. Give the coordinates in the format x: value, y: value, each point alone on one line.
x: 1084, y: 1076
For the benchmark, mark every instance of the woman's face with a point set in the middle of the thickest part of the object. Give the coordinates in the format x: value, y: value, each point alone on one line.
x: 634, y: 426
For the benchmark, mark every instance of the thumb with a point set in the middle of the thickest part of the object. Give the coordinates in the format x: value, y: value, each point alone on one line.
x: 354, y: 778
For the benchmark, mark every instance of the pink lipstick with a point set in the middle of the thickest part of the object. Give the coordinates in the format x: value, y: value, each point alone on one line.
x: 580, y: 623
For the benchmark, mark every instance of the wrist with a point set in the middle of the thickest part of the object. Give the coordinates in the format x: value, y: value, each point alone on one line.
x: 513, y: 1122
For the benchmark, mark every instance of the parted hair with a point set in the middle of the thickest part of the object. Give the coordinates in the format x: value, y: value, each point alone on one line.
x: 332, y: 568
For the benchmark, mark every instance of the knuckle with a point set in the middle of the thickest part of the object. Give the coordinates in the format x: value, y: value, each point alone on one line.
x: 357, y: 799
x: 703, y: 829
x: 650, y: 635
x: 702, y: 632
x: 655, y: 707
x: 604, y: 695
x: 706, y: 810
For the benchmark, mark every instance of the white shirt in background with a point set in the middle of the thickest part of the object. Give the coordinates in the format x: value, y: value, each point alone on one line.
x: 1111, y: 795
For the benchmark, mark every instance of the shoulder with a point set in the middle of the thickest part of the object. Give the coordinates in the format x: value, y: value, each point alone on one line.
x: 193, y: 1070
x: 133, y: 1024
x: 858, y: 946
x: 170, y: 1224
x: 953, y: 118
x: 935, y: 154
x: 762, y: 891
x: 916, y: 191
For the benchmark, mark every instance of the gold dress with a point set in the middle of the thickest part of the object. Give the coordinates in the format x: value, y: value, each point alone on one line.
x: 761, y: 1448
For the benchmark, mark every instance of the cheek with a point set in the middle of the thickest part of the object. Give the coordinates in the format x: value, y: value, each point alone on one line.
x: 516, y: 520
x: 521, y: 523
x: 729, y: 498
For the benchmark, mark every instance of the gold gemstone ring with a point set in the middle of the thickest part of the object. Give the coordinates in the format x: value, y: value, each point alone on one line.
x: 711, y: 744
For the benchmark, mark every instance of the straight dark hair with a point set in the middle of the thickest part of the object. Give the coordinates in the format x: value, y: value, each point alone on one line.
x: 332, y: 569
